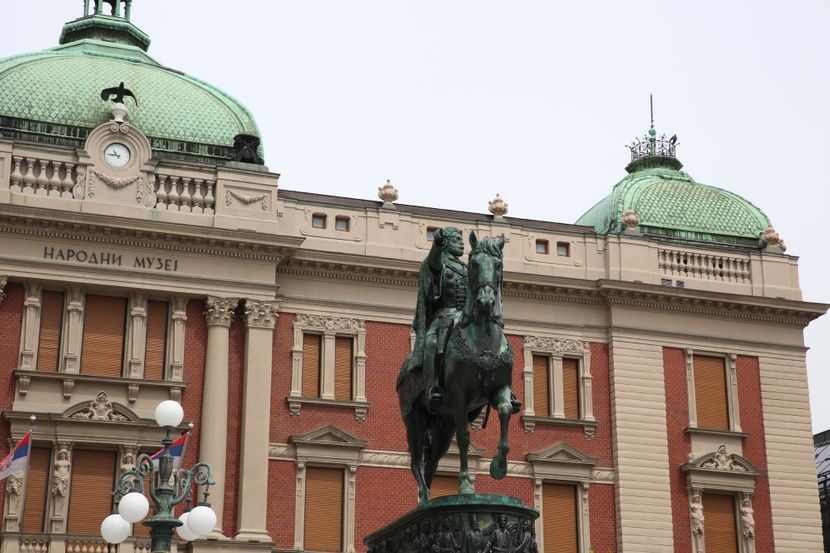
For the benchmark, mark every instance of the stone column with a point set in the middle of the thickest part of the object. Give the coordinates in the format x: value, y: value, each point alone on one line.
x: 261, y: 317
x: 212, y: 446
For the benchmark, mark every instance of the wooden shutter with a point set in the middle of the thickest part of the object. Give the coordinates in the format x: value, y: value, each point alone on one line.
x: 541, y: 385
x: 343, y: 368
x: 311, y: 365
x: 103, y: 344
x: 51, y: 319
x: 323, y: 509
x: 559, y: 518
x: 156, y: 340
x: 710, y: 393
x: 90, y: 495
x: 721, y: 535
x: 443, y: 485
x: 37, y: 482
x: 570, y: 387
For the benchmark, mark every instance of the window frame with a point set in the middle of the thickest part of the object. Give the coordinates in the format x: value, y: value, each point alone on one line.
x: 342, y: 219
x: 563, y: 245
x: 430, y: 233
x: 731, y: 380
x: 545, y: 246
x: 315, y: 217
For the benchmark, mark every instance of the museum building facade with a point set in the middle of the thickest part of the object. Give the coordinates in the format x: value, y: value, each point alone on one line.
x: 147, y: 253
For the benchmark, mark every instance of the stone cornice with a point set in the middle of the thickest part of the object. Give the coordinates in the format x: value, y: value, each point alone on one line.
x: 46, y: 224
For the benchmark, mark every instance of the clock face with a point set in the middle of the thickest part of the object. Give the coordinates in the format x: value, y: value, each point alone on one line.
x: 117, y: 155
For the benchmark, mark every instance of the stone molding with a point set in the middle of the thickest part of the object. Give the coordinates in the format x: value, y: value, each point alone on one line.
x: 721, y: 471
x: 220, y: 311
x: 261, y: 314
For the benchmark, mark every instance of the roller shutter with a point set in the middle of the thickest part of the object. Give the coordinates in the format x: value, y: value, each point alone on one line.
x: 311, y: 365
x: 323, y: 509
x: 570, y: 387
x: 90, y: 496
x: 37, y: 482
x: 51, y: 320
x: 343, y: 368
x: 710, y: 393
x: 559, y: 518
x: 103, y: 344
x: 443, y: 485
x: 541, y: 385
x: 156, y: 340
x: 721, y: 535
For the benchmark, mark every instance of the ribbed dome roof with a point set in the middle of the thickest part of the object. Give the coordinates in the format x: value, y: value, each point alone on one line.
x: 55, y: 95
x: 670, y: 203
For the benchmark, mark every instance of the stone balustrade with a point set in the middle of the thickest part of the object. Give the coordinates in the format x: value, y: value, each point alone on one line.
x: 33, y: 544
x: 185, y: 194
x: 706, y: 266
x: 43, y: 177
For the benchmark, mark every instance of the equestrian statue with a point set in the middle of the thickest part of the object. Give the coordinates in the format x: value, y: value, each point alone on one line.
x: 461, y: 362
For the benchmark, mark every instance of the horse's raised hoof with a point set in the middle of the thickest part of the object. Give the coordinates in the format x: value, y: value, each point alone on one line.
x: 498, y: 467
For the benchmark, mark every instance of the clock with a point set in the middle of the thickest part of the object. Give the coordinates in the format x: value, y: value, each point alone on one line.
x: 117, y: 155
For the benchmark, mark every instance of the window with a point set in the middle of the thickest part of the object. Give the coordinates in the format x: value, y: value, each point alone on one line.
x: 443, y: 485
x: 37, y: 479
x: 542, y: 247
x: 559, y: 518
x: 318, y: 220
x: 323, y: 509
x: 155, y: 353
x: 570, y: 387
x: 90, y: 495
x: 343, y: 368
x: 341, y: 223
x: 546, y: 402
x: 431, y: 233
x: 311, y: 365
x: 720, y: 534
x: 563, y: 249
x: 102, y: 351
x: 51, y: 320
x: 711, y: 396
x: 541, y: 385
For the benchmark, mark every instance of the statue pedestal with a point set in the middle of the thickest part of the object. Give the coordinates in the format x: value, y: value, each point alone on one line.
x: 465, y: 523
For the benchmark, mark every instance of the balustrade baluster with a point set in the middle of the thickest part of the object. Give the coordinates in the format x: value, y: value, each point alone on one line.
x: 173, y: 195
x: 29, y: 177
x: 42, y: 181
x: 55, y: 180
x: 209, y: 200
x: 198, y: 199
x: 17, y: 176
x: 186, y: 197
x: 68, y: 183
x: 161, y: 193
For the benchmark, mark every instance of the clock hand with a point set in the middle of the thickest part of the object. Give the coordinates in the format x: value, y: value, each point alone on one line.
x: 114, y: 154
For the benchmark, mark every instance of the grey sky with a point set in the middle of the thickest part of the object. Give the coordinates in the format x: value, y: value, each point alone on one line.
x: 457, y: 100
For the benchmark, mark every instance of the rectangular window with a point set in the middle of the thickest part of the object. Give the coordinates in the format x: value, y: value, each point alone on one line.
x: 443, y: 485
x: 570, y: 386
x: 102, y: 351
x: 37, y: 481
x: 431, y: 233
x: 318, y: 220
x: 51, y: 321
x: 323, y: 509
x: 541, y: 385
x: 311, y: 365
x: 157, y: 314
x: 563, y: 249
x: 90, y: 495
x: 559, y: 518
x: 710, y: 393
x: 343, y: 368
x: 721, y: 535
x: 542, y: 247
x: 341, y: 223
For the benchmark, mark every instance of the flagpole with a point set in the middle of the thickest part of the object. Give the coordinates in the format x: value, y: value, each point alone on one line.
x: 32, y: 420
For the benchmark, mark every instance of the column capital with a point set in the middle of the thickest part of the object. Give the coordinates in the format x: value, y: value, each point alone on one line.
x: 220, y: 310
x: 261, y: 314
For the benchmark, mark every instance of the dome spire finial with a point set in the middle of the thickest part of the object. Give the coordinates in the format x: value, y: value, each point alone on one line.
x: 653, y: 151
x: 115, y: 8
x: 107, y: 24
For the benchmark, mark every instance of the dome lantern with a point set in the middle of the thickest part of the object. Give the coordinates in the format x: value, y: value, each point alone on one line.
x: 111, y: 24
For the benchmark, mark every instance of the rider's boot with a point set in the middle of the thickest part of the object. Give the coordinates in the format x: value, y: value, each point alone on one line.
x: 515, y: 403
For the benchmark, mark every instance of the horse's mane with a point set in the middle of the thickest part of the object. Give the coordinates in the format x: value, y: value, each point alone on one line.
x: 489, y: 246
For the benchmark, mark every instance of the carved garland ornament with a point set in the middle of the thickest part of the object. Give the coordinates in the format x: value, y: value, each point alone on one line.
x: 325, y: 323
x: 247, y: 200
x: 113, y: 182
x: 555, y: 345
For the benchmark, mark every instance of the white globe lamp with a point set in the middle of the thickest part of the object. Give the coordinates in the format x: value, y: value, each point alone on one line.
x: 133, y: 507
x: 201, y: 520
x: 183, y: 531
x: 169, y: 413
x: 115, y: 529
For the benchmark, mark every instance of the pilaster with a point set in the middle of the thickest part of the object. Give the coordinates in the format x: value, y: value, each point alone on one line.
x: 261, y: 318
x: 137, y: 335
x: 73, y: 327
x: 178, y: 320
x: 31, y: 325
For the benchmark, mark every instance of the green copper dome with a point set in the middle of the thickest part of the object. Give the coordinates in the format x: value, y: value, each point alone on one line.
x: 55, y: 95
x: 669, y: 203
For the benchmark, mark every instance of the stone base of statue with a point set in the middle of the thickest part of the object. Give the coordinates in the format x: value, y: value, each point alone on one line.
x: 466, y: 523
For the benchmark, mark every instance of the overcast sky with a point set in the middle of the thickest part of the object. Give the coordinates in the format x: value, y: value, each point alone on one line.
x: 458, y: 100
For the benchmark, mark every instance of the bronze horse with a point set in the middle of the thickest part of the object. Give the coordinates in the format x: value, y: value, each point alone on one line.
x: 477, y: 363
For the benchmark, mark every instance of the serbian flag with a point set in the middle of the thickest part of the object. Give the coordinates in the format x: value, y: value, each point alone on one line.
x: 17, y: 459
x: 176, y: 450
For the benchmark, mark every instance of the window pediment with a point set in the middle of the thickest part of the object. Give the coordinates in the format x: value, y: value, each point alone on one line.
x: 562, y: 462
x: 721, y: 470
x: 328, y: 444
x: 101, y: 409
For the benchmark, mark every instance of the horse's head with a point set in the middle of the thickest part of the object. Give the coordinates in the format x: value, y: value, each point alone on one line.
x: 485, y: 275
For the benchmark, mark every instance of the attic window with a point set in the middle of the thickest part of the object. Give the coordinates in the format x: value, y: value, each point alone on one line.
x: 431, y: 233
x: 563, y: 249
x: 341, y: 223
x: 542, y: 247
x: 318, y: 220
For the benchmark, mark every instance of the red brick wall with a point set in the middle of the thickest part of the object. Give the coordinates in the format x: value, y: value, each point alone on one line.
x: 282, y: 484
x: 752, y: 422
x: 603, y: 513
x: 11, y: 318
x: 680, y: 445
x: 236, y: 365
x: 195, y: 343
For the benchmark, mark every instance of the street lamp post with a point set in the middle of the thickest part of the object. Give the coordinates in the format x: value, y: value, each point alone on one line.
x: 168, y: 488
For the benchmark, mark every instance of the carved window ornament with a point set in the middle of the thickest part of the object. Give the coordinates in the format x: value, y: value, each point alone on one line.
x: 731, y: 378
x: 101, y: 409
x: 724, y: 473
x: 330, y: 327
x: 328, y: 447
x: 556, y: 348
x: 563, y: 464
